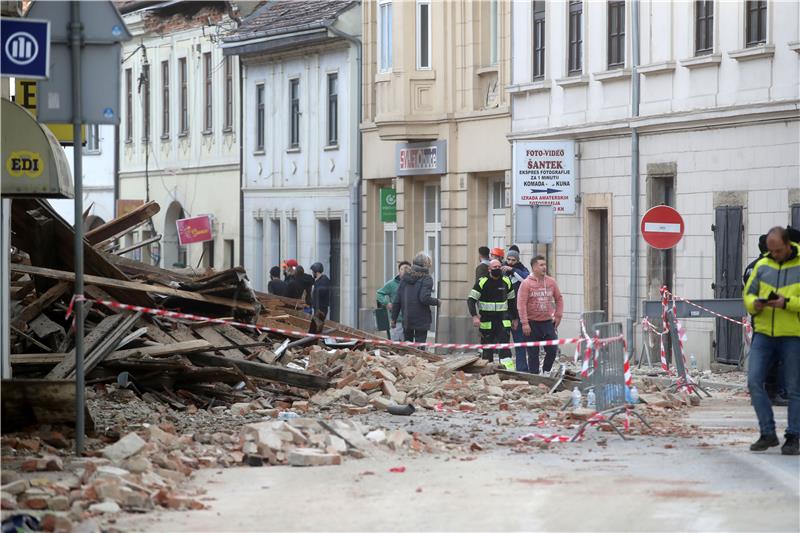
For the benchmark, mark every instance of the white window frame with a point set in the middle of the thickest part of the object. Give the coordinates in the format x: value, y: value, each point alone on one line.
x: 389, y: 250
x: 419, y: 30
x: 494, y: 26
x: 433, y: 230
x: 92, y: 140
x: 492, y: 211
x: 292, y: 239
x: 385, y: 48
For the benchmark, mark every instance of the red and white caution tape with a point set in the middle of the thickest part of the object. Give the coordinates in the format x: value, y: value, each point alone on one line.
x: 545, y: 437
x: 295, y: 333
x: 742, y: 322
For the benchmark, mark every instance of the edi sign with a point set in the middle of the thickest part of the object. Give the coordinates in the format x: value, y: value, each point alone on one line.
x: 544, y: 174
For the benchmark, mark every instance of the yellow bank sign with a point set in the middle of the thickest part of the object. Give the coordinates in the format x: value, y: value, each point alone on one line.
x: 25, y: 96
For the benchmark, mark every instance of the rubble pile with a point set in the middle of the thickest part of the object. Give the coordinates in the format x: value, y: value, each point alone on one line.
x: 379, y: 379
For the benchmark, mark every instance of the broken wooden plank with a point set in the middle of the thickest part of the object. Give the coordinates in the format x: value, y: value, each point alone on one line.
x: 457, y: 363
x: 19, y: 292
x: 59, y: 246
x: 196, y: 345
x: 212, y: 335
x: 137, y: 245
x: 109, y: 344
x: 132, y: 286
x: 123, y: 224
x: 65, y: 367
x: 37, y: 358
x: 535, y: 379
x: 42, y: 302
x: 298, y: 378
x: 235, y: 336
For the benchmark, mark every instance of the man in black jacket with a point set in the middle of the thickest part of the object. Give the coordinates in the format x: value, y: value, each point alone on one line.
x: 276, y: 285
x: 300, y: 285
x: 414, y: 299
x: 320, y: 298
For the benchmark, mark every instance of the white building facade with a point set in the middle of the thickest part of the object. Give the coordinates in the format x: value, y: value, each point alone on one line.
x: 300, y: 138
x: 179, y: 134
x: 719, y: 138
x: 98, y: 178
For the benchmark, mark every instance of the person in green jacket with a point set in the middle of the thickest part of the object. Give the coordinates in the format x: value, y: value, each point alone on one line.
x: 385, y: 297
x: 772, y: 296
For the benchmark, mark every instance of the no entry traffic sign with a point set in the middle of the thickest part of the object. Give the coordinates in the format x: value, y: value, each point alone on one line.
x: 662, y: 227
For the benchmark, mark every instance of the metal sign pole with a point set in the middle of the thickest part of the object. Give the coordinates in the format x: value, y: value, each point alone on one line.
x: 76, y: 36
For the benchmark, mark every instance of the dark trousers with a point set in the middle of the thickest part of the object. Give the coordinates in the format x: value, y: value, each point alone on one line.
x: 318, y: 321
x: 542, y: 331
x: 415, y: 335
x: 497, y: 334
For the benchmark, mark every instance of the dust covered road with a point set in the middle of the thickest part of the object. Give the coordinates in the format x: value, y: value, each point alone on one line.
x: 706, y: 481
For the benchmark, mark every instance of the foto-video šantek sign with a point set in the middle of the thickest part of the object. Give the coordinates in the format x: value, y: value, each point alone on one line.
x: 544, y: 174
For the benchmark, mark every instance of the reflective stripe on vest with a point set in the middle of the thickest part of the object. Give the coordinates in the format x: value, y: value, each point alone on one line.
x: 488, y: 325
x: 493, y: 306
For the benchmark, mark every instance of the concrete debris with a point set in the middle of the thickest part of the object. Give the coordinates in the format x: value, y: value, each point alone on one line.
x: 124, y: 448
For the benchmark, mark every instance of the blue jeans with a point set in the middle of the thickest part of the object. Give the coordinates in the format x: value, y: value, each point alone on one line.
x: 521, y: 352
x: 764, y: 351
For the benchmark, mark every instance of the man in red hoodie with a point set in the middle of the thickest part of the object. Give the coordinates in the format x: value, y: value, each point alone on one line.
x: 540, y: 308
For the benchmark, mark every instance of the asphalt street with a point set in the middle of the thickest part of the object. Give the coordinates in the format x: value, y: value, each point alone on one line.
x: 708, y: 481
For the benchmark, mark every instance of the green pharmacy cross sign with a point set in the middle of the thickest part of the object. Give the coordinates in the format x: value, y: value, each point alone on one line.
x: 388, y: 205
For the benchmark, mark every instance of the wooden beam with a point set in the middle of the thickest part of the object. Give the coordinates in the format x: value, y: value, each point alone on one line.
x: 132, y: 286
x: 152, y: 351
x: 137, y: 245
x: 297, y: 378
x: 161, y: 351
x: 42, y: 302
x: 210, y: 334
x: 121, y: 225
x: 67, y: 366
x: 108, y: 344
x: 25, y: 212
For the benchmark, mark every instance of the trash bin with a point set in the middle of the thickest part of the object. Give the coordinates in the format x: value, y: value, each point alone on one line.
x: 382, y: 320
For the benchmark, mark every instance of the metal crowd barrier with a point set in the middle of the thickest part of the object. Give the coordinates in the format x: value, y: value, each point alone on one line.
x: 608, y: 378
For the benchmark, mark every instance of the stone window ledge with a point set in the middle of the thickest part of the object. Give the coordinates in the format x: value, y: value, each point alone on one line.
x: 533, y: 87
x: 761, y: 51
x: 657, y: 68
x: 795, y: 46
x: 710, y: 60
x: 573, y: 81
x: 612, y: 75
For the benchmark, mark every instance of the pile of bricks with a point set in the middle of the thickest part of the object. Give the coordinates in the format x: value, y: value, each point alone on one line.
x: 379, y: 379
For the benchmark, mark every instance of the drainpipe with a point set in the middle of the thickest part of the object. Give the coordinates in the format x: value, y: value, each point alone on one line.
x: 242, y: 79
x: 634, y: 277
x: 355, y: 200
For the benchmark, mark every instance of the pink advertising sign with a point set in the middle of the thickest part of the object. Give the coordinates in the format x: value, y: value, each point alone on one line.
x: 195, y: 229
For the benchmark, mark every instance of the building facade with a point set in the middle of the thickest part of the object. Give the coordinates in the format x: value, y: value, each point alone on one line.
x: 98, y: 178
x: 179, y: 136
x: 435, y: 119
x: 719, y: 140
x: 300, y: 73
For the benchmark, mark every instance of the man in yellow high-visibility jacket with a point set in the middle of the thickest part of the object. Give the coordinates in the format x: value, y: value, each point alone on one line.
x: 493, y: 306
x: 772, y: 296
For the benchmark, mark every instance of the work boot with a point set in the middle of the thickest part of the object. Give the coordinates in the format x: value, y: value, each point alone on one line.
x: 791, y: 446
x: 764, y: 442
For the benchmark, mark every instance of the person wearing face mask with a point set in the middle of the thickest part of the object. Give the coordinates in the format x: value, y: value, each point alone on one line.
x: 491, y: 302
